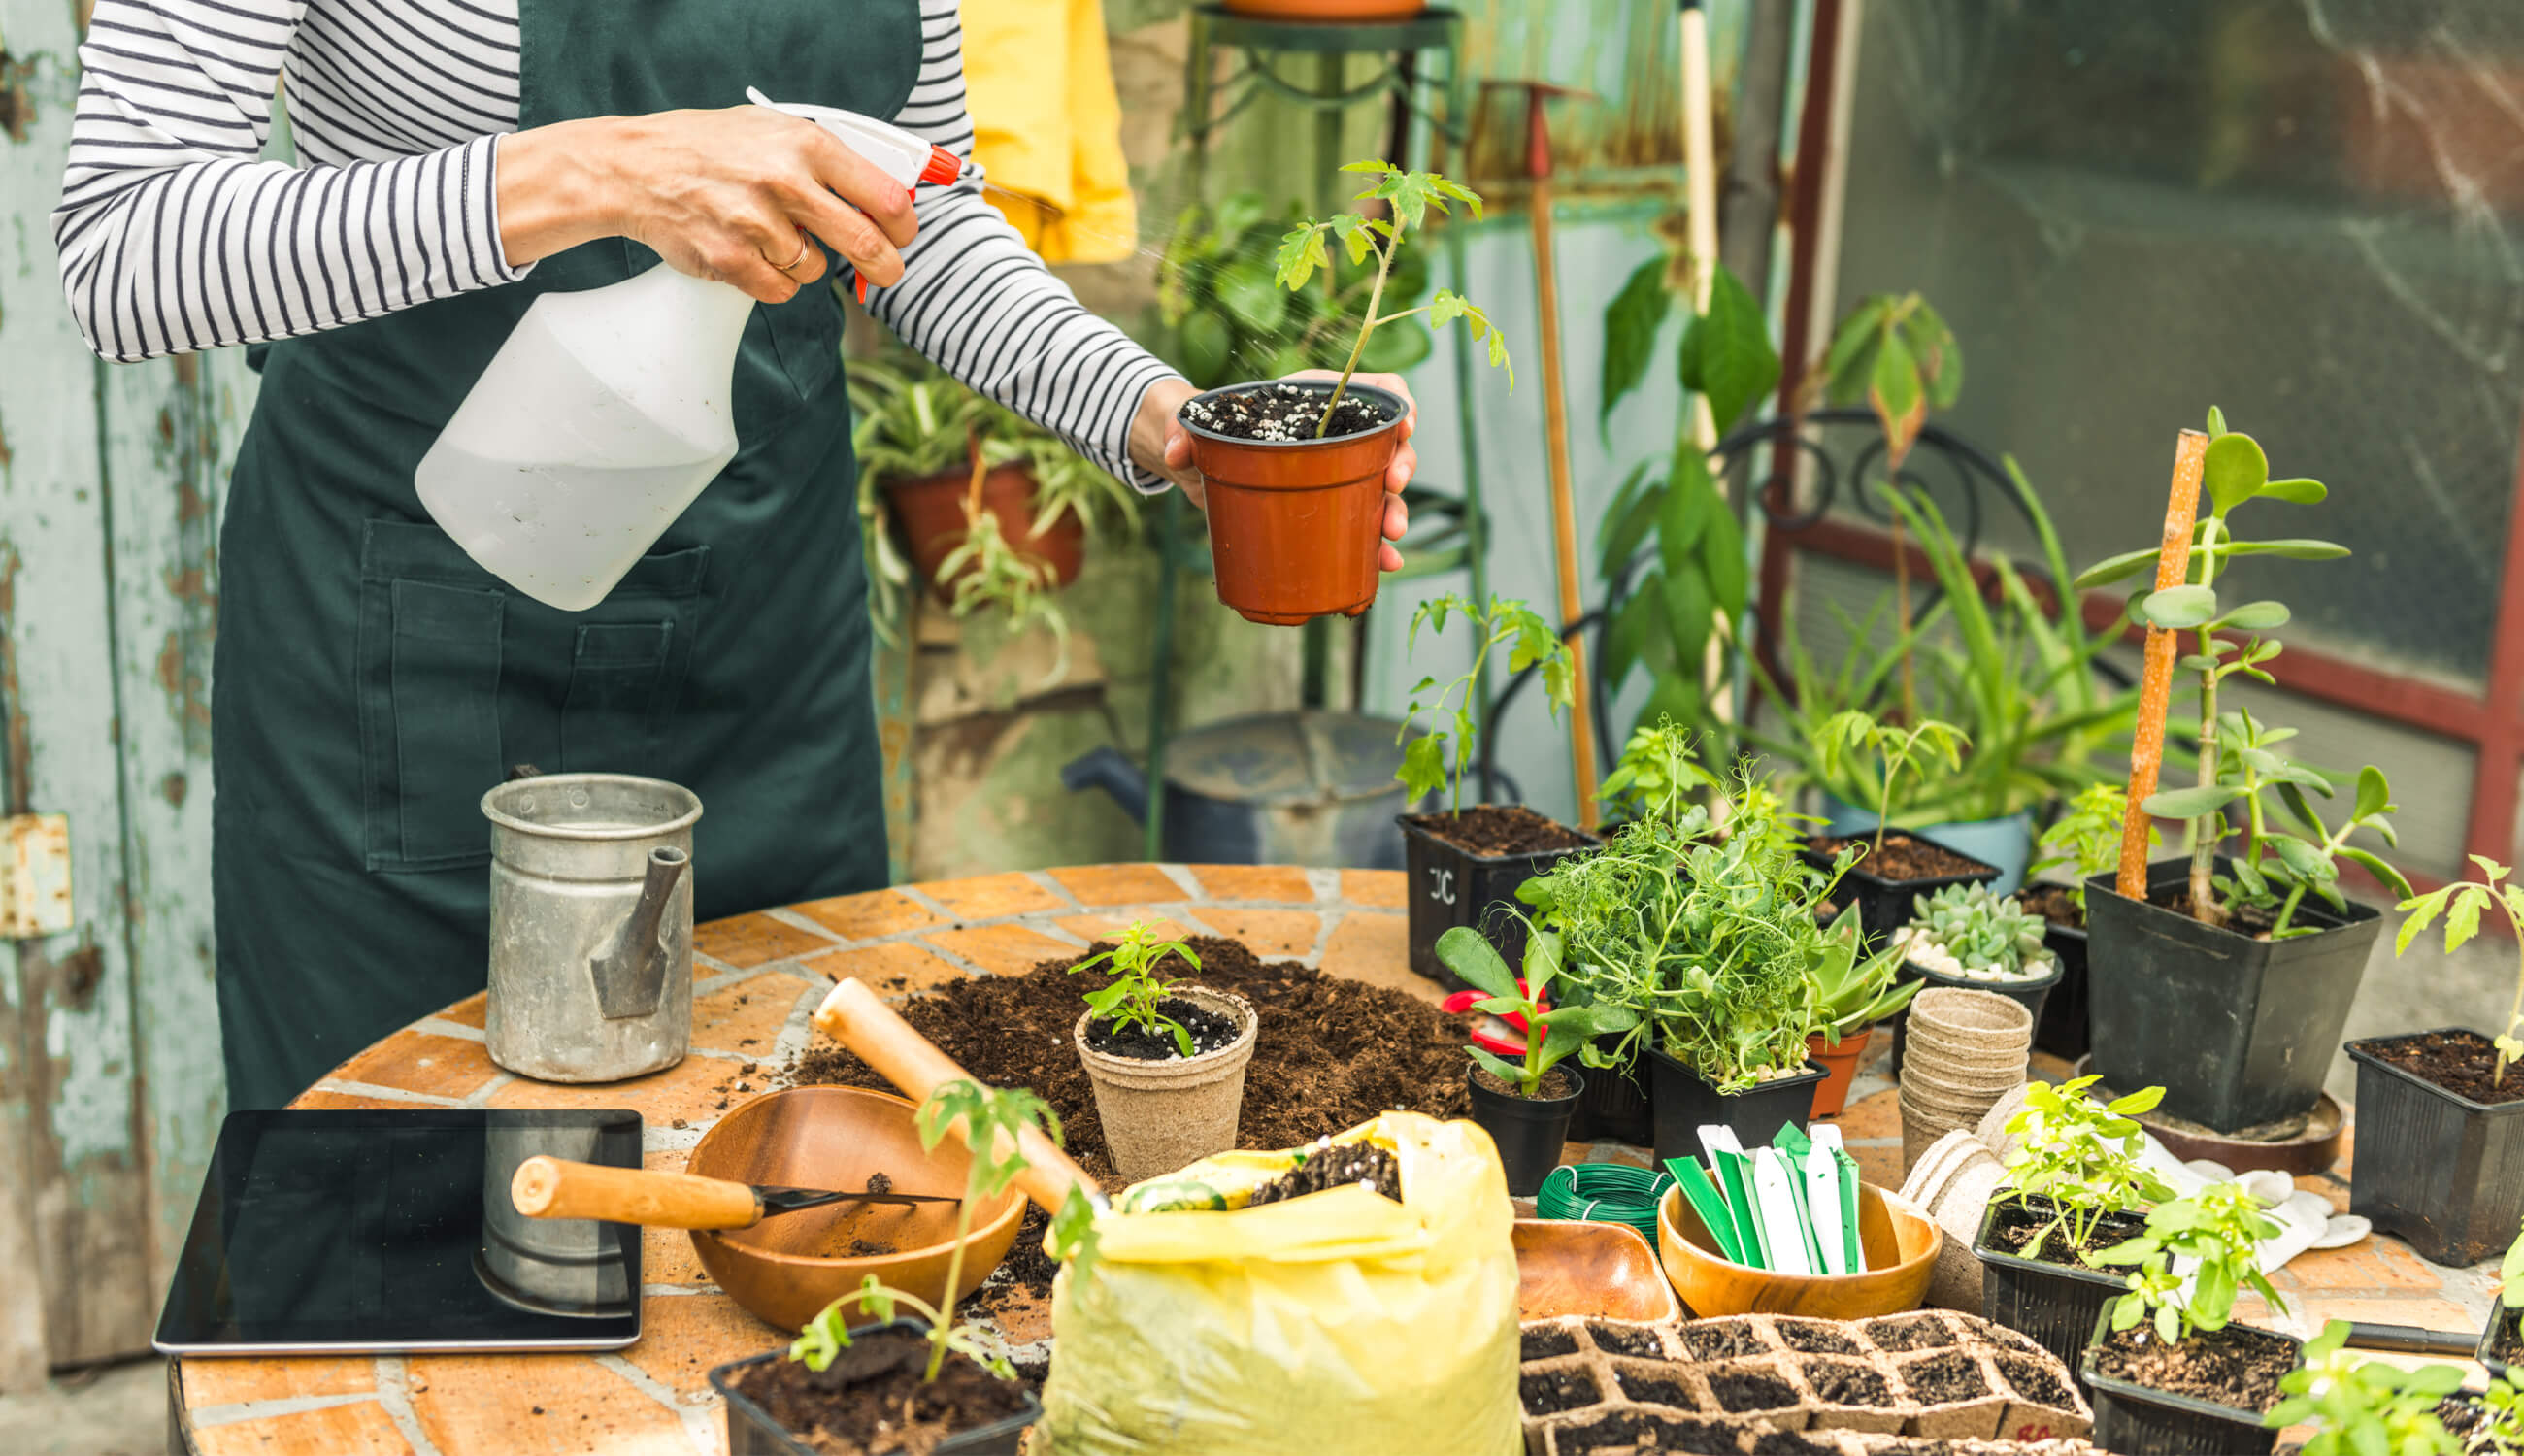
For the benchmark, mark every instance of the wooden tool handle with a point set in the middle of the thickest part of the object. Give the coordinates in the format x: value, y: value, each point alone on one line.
x: 856, y: 1017
x: 553, y: 1187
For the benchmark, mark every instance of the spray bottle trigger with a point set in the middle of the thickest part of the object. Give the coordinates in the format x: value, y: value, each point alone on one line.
x: 858, y: 280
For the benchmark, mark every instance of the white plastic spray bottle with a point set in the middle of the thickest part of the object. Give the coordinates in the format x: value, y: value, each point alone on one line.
x: 609, y: 409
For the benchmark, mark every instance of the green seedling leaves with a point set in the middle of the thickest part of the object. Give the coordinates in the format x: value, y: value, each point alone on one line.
x: 1423, y: 765
x: 1468, y: 953
x: 1301, y: 252
x: 1737, y: 364
x: 2179, y: 607
x: 2234, y: 471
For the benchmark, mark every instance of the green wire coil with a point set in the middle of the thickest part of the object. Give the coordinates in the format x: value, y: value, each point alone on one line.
x: 1604, y: 1192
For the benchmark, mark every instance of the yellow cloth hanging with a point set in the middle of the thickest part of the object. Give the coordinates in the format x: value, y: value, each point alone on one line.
x: 1048, y: 125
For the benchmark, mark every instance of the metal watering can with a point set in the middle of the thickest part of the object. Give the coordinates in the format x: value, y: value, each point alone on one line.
x: 590, y: 925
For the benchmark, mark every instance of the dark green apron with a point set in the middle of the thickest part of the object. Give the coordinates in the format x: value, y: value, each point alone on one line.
x: 371, y: 682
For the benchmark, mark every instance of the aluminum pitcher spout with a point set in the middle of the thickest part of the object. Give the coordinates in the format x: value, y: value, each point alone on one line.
x: 630, y: 974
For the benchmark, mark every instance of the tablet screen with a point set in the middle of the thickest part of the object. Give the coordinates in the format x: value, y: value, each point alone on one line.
x: 391, y: 1229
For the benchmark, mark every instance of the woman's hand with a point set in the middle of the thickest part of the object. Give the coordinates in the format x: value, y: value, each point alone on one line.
x: 1162, y: 402
x: 730, y: 195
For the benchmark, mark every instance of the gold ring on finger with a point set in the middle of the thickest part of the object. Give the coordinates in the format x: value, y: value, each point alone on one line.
x: 803, y: 248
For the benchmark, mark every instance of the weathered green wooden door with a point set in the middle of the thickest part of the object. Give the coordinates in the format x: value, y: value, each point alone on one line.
x: 111, y: 482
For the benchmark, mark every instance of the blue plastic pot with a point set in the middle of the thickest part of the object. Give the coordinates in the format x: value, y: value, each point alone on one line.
x: 2005, y: 843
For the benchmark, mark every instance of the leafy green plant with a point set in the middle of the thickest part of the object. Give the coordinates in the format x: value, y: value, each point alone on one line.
x: 2462, y: 904
x: 2086, y: 838
x: 1976, y: 930
x: 1850, y: 733
x: 2365, y: 1407
x: 1409, y: 196
x: 2082, y: 1155
x: 1529, y: 640
x: 2501, y: 1426
x: 1136, y: 990
x: 995, y: 1120
x: 2220, y: 1229
x: 1897, y: 354
x: 1550, y: 1035
x: 1225, y: 317
x: 1855, y: 992
x: 1656, y: 776
x: 2238, y: 759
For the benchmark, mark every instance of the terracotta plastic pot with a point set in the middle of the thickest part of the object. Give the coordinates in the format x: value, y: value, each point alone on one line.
x: 1295, y: 525
x: 931, y: 511
x: 1160, y: 1116
x: 1839, y: 1068
x: 1328, y: 10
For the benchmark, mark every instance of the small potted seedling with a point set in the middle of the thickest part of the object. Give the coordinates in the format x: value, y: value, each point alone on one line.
x: 1895, y: 865
x: 2086, y: 842
x: 2227, y: 979
x: 2168, y: 1369
x: 1963, y: 935
x: 2076, y: 1186
x: 2502, y: 1338
x: 2450, y: 1179
x: 1465, y: 865
x: 1166, y: 1057
x: 2365, y: 1407
x: 1295, y: 469
x: 923, y: 1384
x: 1526, y: 1105
x: 1855, y: 991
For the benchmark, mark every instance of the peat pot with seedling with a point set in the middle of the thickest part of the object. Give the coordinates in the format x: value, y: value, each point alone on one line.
x: 2227, y: 980
x: 1166, y: 1057
x: 1894, y: 866
x: 1295, y: 469
x: 2441, y: 1114
x: 1464, y: 867
x: 1525, y: 1106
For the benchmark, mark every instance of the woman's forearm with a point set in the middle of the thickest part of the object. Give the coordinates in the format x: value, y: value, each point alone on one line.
x: 554, y: 188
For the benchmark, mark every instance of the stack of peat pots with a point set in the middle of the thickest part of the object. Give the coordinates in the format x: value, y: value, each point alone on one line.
x: 1968, y: 1049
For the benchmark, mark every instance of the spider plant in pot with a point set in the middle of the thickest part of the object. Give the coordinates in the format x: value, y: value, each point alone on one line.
x: 2450, y: 1176
x: 1857, y: 991
x: 1295, y: 470
x: 2075, y: 1184
x: 2227, y: 979
x: 2085, y: 841
x: 2168, y: 1369
x: 1166, y: 1058
x: 1525, y: 1106
x: 926, y: 1384
x: 1465, y: 865
x: 1890, y: 867
x: 1963, y: 935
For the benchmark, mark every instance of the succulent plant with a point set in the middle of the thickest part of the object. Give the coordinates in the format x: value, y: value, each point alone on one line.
x: 1979, y: 929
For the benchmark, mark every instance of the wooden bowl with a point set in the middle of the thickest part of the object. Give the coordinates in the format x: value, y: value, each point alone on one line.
x: 787, y: 1267
x: 1566, y: 1267
x: 1901, y: 1245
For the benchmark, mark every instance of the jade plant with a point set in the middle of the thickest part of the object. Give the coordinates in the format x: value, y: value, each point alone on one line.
x: 1426, y: 764
x: 1965, y: 930
x: 1408, y: 196
x: 2082, y: 1155
x: 2462, y: 904
x: 995, y: 1120
x: 1894, y: 749
x: 1657, y: 775
x: 2217, y: 1232
x: 1137, y: 991
x: 2274, y: 868
x: 2086, y: 839
x: 1464, y: 951
x: 2365, y: 1407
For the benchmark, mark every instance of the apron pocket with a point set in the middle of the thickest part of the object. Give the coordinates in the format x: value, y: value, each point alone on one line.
x: 622, y: 676
x: 433, y: 723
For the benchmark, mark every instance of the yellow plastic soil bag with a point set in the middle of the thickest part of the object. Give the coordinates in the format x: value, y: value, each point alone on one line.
x: 1340, y: 1322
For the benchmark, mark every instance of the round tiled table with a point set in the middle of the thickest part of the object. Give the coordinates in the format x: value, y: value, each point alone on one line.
x: 755, y: 980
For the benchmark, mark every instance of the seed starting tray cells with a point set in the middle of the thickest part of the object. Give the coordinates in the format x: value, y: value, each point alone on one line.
x: 1779, y: 1385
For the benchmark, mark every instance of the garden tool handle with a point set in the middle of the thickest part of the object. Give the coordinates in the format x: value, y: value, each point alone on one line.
x: 854, y: 1016
x: 2410, y: 1340
x: 556, y: 1187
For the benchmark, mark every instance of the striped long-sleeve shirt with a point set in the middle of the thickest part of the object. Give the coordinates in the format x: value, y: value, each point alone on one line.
x: 175, y: 237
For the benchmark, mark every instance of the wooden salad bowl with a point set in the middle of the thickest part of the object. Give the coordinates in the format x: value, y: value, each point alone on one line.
x: 1565, y: 1267
x: 1901, y: 1243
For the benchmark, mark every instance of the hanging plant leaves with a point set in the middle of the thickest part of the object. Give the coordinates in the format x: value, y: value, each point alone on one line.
x: 1901, y: 404
x: 1631, y: 322
x: 1737, y: 364
x: 1247, y: 288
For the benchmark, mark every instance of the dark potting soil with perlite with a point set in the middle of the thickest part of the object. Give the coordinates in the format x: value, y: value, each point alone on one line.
x: 1814, y: 1338
x: 1737, y: 1392
x: 1554, y: 1085
x: 1944, y: 1379
x: 2234, y: 1367
x: 1847, y: 1382
x: 2035, y: 1382
x: 1638, y: 1344
x: 1209, y: 1030
x: 1549, y: 1392
x: 1336, y: 1167
x: 1655, y: 1389
x: 1492, y: 829
x: 1909, y: 1334
x: 871, y: 1401
x: 1902, y: 860
x: 1721, y: 1339
x: 2464, y: 1063
x: 1281, y: 412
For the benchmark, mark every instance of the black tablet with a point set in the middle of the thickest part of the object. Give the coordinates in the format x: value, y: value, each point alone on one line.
x: 389, y: 1231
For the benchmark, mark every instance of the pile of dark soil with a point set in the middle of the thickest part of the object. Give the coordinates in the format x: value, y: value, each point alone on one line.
x: 1334, y: 1167
x: 2235, y: 1366
x: 2053, y: 903
x: 1491, y: 830
x: 1282, y: 412
x: 2463, y: 1063
x: 871, y: 1401
x: 1903, y: 858
x: 2017, y: 1223
x: 1209, y: 1030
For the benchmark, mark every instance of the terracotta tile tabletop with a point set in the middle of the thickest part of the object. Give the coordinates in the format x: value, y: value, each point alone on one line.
x: 756, y: 978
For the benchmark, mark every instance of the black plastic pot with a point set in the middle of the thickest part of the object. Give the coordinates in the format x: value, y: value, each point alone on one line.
x: 1614, y: 1106
x: 1529, y: 1130
x: 1451, y: 887
x: 2061, y: 1028
x: 2442, y: 1170
x: 2500, y: 1318
x: 1886, y: 905
x: 751, y: 1430
x: 2237, y: 1030
x: 2132, y: 1420
x: 1680, y: 1103
x: 2054, y: 1303
x: 2030, y: 994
